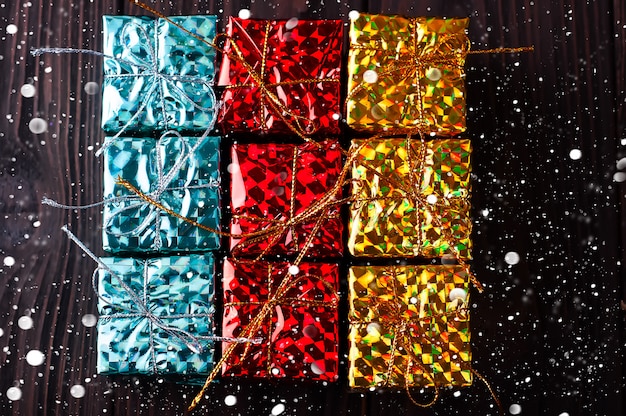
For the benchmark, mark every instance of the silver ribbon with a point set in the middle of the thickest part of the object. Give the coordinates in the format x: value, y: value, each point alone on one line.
x: 142, y: 310
x: 147, y: 68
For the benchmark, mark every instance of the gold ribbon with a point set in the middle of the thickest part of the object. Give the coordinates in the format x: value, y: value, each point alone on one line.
x: 413, y: 62
x: 265, y: 315
x: 300, y: 125
x: 410, y: 190
x: 407, y: 332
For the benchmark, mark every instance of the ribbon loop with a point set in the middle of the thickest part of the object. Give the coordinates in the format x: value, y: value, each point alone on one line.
x: 139, y: 306
x: 172, y: 153
x: 139, y: 62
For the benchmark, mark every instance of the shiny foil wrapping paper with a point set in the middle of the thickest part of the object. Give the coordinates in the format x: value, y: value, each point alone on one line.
x: 157, y: 76
x: 407, y: 73
x: 281, y: 73
x: 178, y: 293
x: 180, y: 173
x: 272, y: 183
x: 299, y: 331
x: 411, y: 198
x: 403, y: 316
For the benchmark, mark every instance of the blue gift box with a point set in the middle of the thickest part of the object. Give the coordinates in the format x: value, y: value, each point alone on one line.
x: 156, y: 315
x: 158, y: 74
x: 180, y: 176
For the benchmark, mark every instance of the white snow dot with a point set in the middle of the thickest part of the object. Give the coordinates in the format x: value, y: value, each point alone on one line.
x: 230, y: 400
x: 11, y: 29
x: 244, y: 14
x: 316, y: 369
x: 457, y: 293
x: 37, y: 224
x: 354, y: 14
x: 291, y: 23
x: 35, y: 357
x: 370, y: 76
x: 38, y: 125
x: 433, y: 74
x: 575, y: 154
x: 89, y: 320
x: 9, y: 261
x: 621, y: 164
x: 1, y: 332
x: 431, y: 199
x: 92, y: 88
x: 373, y: 329
x: 294, y: 270
x: 28, y: 90
x: 336, y: 116
x: 511, y: 258
x: 48, y: 69
x: 25, y: 322
x: 413, y: 300
x: 619, y: 177
x: 77, y: 391
x: 515, y: 409
x: 564, y: 414
x: 457, y: 394
x: 14, y: 393
x: 278, y: 409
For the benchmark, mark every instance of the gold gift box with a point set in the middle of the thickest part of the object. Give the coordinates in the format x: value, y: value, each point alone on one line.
x: 409, y: 326
x: 407, y: 73
x: 410, y: 198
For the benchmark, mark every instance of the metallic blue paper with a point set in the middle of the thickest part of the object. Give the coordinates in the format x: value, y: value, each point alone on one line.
x: 156, y: 75
x: 156, y: 315
x: 182, y: 174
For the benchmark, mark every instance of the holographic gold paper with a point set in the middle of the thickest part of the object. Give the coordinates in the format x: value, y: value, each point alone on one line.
x: 411, y: 198
x: 407, y: 74
x: 409, y: 326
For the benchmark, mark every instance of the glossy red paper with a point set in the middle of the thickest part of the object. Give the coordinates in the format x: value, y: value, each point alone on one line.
x: 271, y: 183
x: 299, y: 332
x: 281, y: 73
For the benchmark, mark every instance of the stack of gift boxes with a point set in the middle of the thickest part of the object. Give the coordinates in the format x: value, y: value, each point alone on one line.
x: 408, y: 201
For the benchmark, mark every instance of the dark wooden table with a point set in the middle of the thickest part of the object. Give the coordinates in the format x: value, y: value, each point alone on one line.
x: 548, y: 331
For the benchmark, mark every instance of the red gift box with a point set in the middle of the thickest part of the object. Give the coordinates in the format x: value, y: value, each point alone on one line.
x: 274, y: 183
x: 292, y: 314
x: 281, y: 76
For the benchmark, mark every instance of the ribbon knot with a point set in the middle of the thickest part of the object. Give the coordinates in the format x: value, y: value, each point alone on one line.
x: 164, y: 182
x: 145, y: 65
x: 409, y: 329
x: 276, y: 297
x: 141, y: 307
